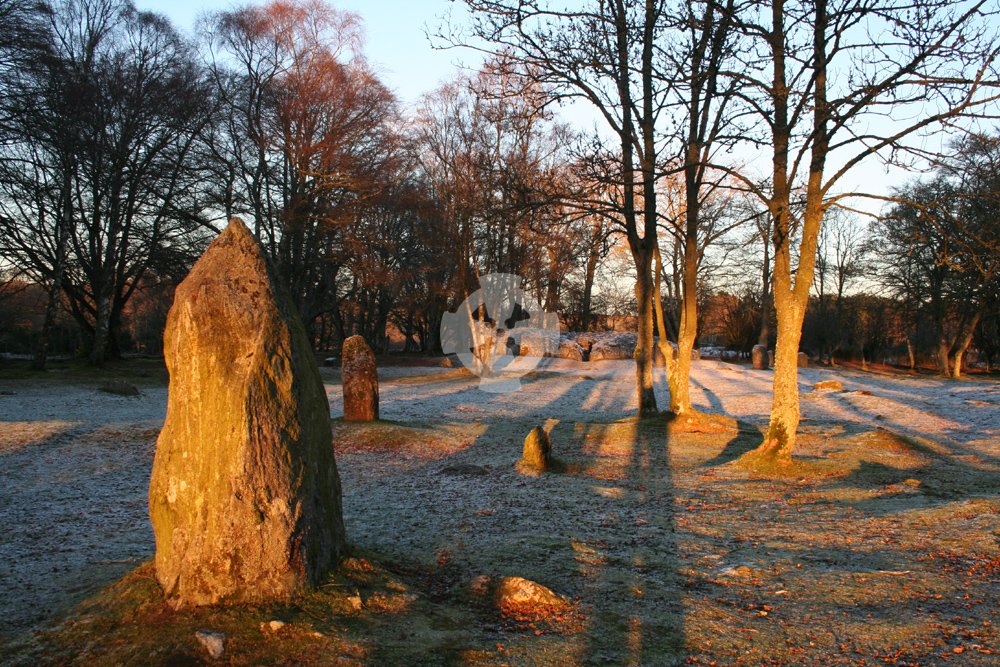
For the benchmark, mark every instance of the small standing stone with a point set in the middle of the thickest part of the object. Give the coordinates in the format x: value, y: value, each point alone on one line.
x: 537, y: 454
x: 360, y: 381
x: 803, y: 360
x: 759, y: 357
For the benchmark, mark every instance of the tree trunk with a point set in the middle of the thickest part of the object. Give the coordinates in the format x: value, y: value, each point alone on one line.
x: 644, y: 344
x: 41, y: 357
x: 791, y: 297
x: 661, y: 321
x: 963, y: 342
x: 765, y: 300
x: 910, y: 355
x: 102, y: 326
x: 593, y: 256
x: 780, y: 438
x: 943, y: 348
x: 553, y: 282
x: 680, y: 379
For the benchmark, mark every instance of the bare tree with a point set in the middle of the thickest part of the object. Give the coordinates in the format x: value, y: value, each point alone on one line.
x: 105, y: 129
x: 307, y: 137
x: 834, y: 68
x: 606, y: 54
x: 840, y: 261
x: 940, y: 246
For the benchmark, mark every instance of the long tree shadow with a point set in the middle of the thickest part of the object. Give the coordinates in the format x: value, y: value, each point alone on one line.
x: 623, y: 542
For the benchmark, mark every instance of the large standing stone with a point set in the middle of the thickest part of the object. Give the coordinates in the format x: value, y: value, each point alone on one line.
x: 359, y: 376
x: 245, y: 495
x: 803, y: 360
x: 759, y: 357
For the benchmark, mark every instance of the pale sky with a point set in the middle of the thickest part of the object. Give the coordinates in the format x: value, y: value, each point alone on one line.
x: 396, y: 44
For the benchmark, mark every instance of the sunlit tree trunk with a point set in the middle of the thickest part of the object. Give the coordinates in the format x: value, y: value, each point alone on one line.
x: 41, y: 356
x: 791, y: 295
x: 666, y: 349
x: 680, y: 379
x: 765, y: 299
x: 962, y: 343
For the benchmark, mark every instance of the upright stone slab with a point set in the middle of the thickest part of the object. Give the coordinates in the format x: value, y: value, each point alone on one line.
x: 536, y: 456
x: 359, y: 376
x: 758, y: 356
x: 245, y: 496
x: 803, y: 360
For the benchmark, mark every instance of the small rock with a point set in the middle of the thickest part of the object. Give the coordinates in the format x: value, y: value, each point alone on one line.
x: 214, y: 642
x: 739, y: 570
x: 272, y: 626
x: 517, y: 593
x: 540, y: 343
x: 570, y: 349
x: 355, y: 601
x: 620, y: 347
x: 537, y: 454
x: 828, y: 385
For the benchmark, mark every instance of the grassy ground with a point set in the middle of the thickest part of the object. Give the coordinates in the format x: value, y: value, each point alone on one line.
x: 875, y: 549
x: 138, y: 371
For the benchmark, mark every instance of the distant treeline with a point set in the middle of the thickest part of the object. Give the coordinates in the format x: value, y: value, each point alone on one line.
x: 125, y: 146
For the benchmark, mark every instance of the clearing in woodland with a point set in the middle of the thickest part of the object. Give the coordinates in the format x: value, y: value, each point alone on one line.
x: 881, y: 545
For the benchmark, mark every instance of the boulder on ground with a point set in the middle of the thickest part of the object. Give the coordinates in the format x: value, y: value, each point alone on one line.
x: 803, y: 360
x: 537, y: 454
x: 828, y: 385
x: 758, y: 357
x: 359, y: 377
x: 585, y: 339
x: 570, y: 349
x: 524, y: 598
x: 244, y: 496
x: 214, y: 642
x: 613, y: 346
